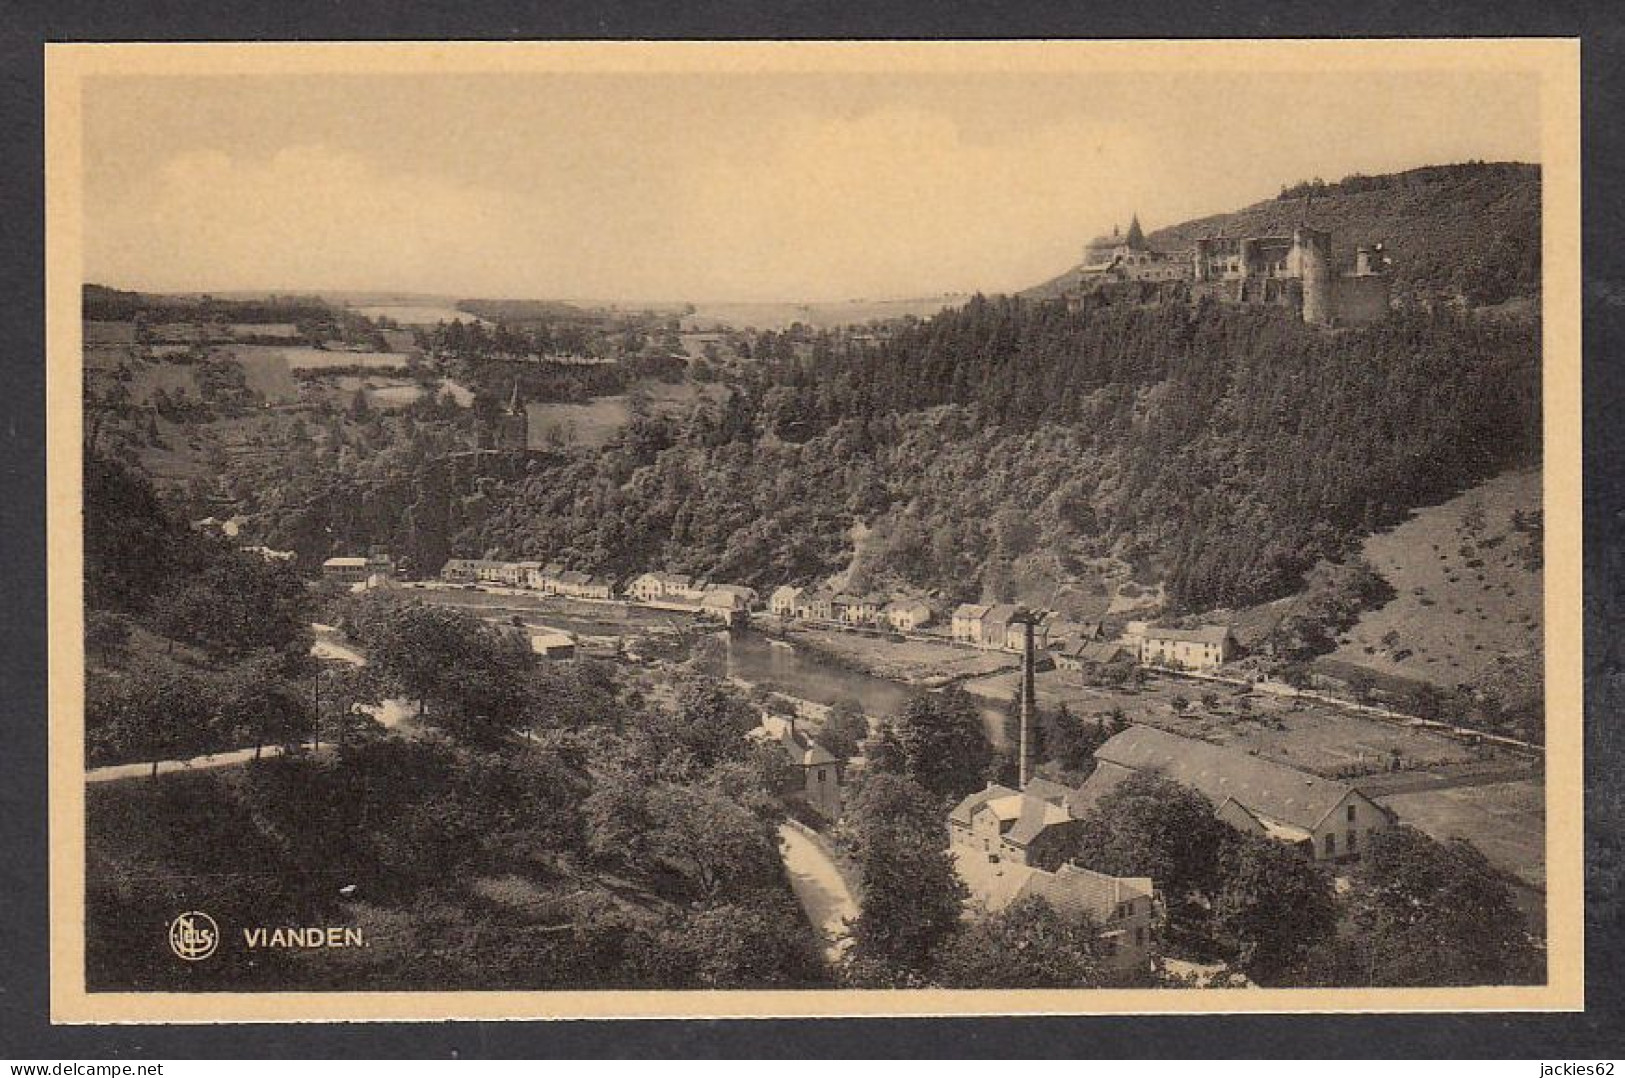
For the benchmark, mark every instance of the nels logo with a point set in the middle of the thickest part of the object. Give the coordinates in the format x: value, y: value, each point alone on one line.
x: 193, y: 936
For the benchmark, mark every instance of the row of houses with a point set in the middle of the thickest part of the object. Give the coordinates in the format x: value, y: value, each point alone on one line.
x: 999, y: 626
x: 991, y: 626
x: 1203, y: 648
x: 726, y: 601
x: 377, y: 569
x: 549, y: 579
x: 821, y: 604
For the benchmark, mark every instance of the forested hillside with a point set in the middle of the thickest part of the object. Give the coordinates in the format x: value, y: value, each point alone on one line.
x: 1221, y: 450
x: 1469, y: 231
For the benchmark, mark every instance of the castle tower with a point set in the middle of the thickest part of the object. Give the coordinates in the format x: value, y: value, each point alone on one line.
x: 1202, y: 256
x: 513, y: 425
x: 1029, y: 702
x: 1362, y: 261
x: 1136, y: 236
x: 1314, y: 257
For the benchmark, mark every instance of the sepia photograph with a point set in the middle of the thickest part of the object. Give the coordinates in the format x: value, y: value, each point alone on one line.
x: 702, y: 529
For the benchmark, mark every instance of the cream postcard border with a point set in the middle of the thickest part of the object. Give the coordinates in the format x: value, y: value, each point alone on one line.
x: 1553, y: 62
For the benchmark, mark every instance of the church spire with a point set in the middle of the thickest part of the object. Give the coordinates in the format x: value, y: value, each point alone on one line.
x: 513, y: 399
x: 1136, y: 237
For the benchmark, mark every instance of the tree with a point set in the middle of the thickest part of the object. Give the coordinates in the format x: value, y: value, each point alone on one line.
x: 759, y: 781
x: 937, y: 740
x: 845, y: 729
x: 261, y: 706
x: 708, y: 726
x: 1026, y: 945
x: 1149, y: 826
x: 1069, y: 741
x: 342, y: 687
x: 761, y: 940
x: 1432, y: 913
x: 468, y: 677
x: 1273, y: 907
x: 884, y: 801
x: 150, y: 712
x: 718, y: 846
x: 911, y: 898
x: 107, y: 635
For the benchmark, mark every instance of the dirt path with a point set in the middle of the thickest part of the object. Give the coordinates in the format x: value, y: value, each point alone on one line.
x: 391, y: 713
x: 818, y: 885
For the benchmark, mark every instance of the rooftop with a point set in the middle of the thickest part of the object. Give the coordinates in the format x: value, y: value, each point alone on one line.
x: 1264, y: 788
x: 1207, y: 634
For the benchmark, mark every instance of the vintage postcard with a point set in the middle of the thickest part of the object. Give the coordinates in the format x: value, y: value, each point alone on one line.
x: 766, y: 529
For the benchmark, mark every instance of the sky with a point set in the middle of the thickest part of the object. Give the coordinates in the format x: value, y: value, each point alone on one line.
x: 665, y: 187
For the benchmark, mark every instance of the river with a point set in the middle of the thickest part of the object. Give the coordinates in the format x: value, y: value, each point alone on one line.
x: 748, y: 655
x: 799, y: 672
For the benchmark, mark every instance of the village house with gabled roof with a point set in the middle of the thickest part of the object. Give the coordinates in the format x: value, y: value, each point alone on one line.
x: 966, y: 625
x: 907, y: 615
x: 729, y: 602
x: 668, y: 587
x: 1326, y: 819
x: 345, y: 570
x: 1087, y: 654
x: 821, y: 772
x: 459, y: 569
x: 784, y: 600
x: 572, y: 582
x: 544, y: 578
x: 1011, y: 844
x: 1202, y: 648
x: 994, y: 631
x: 551, y: 645
x: 816, y: 605
x: 856, y: 609
x: 1014, y: 825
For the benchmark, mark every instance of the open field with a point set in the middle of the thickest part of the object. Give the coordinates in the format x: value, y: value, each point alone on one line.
x: 1506, y: 821
x: 916, y: 662
x: 1299, y: 733
x: 417, y: 315
x: 387, y: 392
x: 318, y: 359
x: 269, y: 372
x: 1466, y: 594
x: 595, y: 423
x: 777, y: 316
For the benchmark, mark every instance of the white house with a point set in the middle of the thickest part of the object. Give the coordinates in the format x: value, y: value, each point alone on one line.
x: 784, y: 600
x: 1186, y: 649
x: 907, y: 615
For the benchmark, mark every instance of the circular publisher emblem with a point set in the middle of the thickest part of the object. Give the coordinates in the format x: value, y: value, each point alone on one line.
x: 193, y: 936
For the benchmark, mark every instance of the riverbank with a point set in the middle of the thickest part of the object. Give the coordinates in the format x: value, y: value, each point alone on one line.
x: 922, y: 663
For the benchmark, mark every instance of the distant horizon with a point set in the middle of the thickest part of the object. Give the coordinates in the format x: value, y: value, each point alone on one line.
x: 803, y: 187
x: 379, y: 297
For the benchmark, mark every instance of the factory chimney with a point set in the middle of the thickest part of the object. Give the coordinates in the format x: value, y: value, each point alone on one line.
x: 1029, y: 701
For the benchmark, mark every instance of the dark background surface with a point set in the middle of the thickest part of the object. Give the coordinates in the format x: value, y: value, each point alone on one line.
x: 25, y: 1031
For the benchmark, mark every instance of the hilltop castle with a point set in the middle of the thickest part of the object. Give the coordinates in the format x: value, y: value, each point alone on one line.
x: 1287, y: 271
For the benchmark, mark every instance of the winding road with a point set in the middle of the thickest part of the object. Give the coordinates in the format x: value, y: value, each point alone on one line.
x: 391, y: 713
x: 818, y: 885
